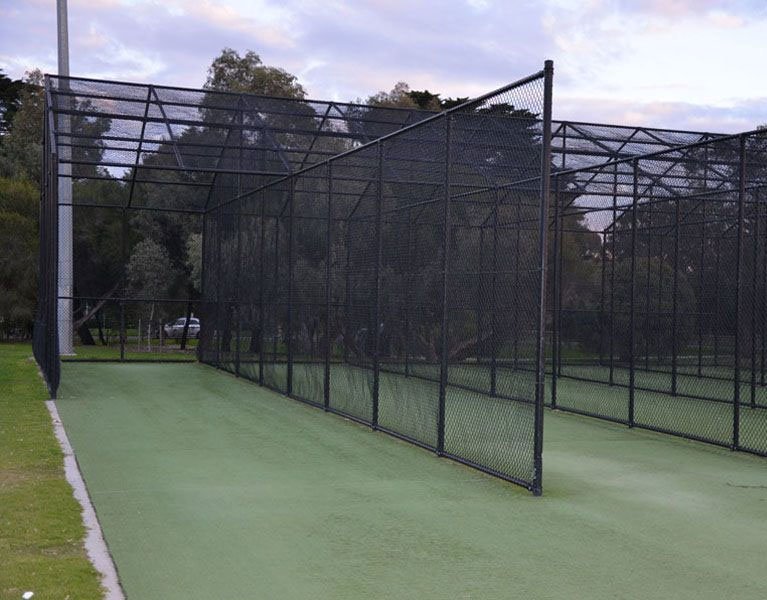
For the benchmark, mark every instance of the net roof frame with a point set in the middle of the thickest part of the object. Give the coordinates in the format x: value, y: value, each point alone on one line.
x: 291, y: 132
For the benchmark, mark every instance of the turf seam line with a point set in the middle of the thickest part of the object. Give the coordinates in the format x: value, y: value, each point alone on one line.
x: 95, y: 544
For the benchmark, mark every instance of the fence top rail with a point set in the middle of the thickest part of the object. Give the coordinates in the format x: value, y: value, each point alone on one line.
x: 374, y: 143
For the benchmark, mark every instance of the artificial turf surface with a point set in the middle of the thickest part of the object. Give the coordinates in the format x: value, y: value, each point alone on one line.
x: 211, y: 487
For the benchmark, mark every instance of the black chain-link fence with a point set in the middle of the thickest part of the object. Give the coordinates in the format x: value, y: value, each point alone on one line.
x: 399, y: 283
x: 658, y: 290
x: 395, y: 282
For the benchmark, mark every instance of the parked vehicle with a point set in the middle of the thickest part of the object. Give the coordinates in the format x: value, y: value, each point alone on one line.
x: 175, y: 329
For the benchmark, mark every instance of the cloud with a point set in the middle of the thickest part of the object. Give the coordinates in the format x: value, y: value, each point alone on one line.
x: 662, y: 61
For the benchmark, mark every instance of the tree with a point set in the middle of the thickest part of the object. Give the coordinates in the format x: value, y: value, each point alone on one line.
x: 18, y: 255
x: 21, y: 150
x: 10, y: 100
x: 398, y: 97
x: 234, y: 73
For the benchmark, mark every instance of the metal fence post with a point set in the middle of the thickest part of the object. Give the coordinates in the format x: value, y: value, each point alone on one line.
x: 556, y: 298
x: 261, y: 289
x: 738, y: 266
x: 755, y: 249
x: 602, y: 282
x: 328, y: 288
x: 701, y: 285
x: 543, y: 228
x: 493, y: 301
x: 219, y: 229
x: 632, y: 303
x: 408, y: 280
x: 289, y: 325
x: 124, y: 263
x: 479, y: 297
x: 377, y: 290
x: 763, y: 309
x: 238, y: 266
x: 444, y: 324
x: 611, y: 376
x: 674, y: 302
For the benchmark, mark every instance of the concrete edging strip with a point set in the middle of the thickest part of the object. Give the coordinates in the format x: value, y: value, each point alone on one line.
x: 95, y: 545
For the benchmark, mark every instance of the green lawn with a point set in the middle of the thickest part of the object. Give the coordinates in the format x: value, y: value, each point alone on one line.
x: 158, y: 353
x: 41, y: 530
x: 212, y: 487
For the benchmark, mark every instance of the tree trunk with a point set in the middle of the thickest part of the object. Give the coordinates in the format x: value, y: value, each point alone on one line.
x: 185, y: 333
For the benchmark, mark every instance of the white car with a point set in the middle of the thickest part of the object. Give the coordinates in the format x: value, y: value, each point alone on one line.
x: 175, y: 329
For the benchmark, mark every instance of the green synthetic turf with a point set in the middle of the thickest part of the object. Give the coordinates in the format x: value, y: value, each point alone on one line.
x: 211, y: 487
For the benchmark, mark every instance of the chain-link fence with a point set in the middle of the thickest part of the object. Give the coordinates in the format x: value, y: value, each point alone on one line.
x: 383, y: 263
x: 658, y: 291
x: 378, y: 284
x: 130, y: 170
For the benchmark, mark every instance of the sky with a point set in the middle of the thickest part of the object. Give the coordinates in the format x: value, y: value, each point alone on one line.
x: 688, y: 64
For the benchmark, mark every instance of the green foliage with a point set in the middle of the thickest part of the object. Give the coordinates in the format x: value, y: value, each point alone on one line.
x: 21, y: 149
x: 10, y: 91
x: 234, y: 73
x: 18, y: 255
x: 150, y: 271
x: 653, y: 295
x: 194, y: 259
x: 398, y: 97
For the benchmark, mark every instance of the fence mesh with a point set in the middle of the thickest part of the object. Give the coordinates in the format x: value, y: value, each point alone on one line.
x: 397, y: 282
x: 374, y: 274
x: 658, y: 288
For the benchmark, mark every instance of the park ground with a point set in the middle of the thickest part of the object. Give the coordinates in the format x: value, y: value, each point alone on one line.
x: 208, y: 486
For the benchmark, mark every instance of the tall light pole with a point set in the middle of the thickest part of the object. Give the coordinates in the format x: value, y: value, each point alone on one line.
x: 66, y: 267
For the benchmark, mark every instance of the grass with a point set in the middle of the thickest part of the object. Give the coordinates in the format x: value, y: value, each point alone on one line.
x: 41, y: 529
x: 158, y: 353
x: 208, y: 486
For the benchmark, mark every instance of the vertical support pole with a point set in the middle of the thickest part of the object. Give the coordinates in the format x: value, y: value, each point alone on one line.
x: 674, y: 301
x: 738, y: 267
x: 444, y: 321
x: 517, y: 250
x: 219, y: 233
x: 701, y: 284
x: 543, y: 229
x: 717, y: 312
x: 494, y: 301
x: 289, y: 325
x: 648, y: 323
x: 261, y: 288
x: 124, y: 263
x: 238, y: 267
x: 410, y: 270
x: 602, y: 298
x: 277, y: 299
x: 347, y: 289
x: 328, y: 287
x: 752, y: 323
x: 661, y: 263
x: 377, y: 299
x: 478, y: 298
x: 611, y: 378
x: 559, y: 270
x: 204, y: 305
x: 64, y: 207
x: 763, y: 306
x: 556, y: 297
x: 632, y: 303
